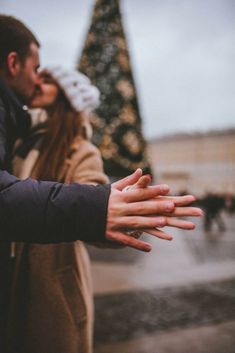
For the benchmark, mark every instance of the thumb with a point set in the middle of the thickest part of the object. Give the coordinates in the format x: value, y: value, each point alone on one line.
x: 142, y: 183
x: 129, y: 180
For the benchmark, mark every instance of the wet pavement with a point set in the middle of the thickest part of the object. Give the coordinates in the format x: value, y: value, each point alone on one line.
x: 217, y: 338
x: 180, y: 289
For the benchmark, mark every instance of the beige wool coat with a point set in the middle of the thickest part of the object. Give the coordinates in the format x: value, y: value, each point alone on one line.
x: 51, y: 305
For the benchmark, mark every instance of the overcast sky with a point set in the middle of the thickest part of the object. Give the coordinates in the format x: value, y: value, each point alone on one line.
x: 182, y: 53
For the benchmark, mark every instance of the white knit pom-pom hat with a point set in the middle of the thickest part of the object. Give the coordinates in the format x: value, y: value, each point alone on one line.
x: 77, y: 87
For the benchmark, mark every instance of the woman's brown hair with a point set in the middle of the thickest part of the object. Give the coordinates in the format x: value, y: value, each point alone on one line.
x: 63, y: 125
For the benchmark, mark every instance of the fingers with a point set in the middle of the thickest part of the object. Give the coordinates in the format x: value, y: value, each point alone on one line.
x: 180, y: 223
x: 187, y: 212
x: 139, y: 222
x: 158, y: 233
x: 178, y: 200
x: 145, y: 193
x: 126, y: 240
x: 143, y: 182
x: 129, y: 180
x: 153, y: 207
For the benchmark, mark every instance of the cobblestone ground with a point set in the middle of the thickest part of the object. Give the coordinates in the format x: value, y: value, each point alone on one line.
x: 129, y: 315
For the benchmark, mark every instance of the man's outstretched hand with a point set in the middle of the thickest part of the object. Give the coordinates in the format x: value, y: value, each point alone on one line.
x: 145, y: 208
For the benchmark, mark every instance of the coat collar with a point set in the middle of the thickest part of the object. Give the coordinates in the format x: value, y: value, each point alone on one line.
x: 18, y: 116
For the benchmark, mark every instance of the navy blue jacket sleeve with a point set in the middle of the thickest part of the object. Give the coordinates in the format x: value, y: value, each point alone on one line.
x: 48, y: 212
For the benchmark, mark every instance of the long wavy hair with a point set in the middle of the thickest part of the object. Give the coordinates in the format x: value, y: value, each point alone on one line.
x: 63, y: 125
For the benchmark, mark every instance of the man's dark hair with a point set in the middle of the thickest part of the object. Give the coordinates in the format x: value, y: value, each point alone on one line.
x: 14, y: 37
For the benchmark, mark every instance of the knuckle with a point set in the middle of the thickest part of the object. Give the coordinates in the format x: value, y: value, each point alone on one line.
x: 161, y: 221
x: 140, y: 207
x: 134, y: 222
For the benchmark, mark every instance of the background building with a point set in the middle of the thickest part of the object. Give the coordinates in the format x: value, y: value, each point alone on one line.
x: 198, y: 163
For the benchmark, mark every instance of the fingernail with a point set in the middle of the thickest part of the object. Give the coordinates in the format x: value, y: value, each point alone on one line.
x: 150, y: 176
x: 198, y: 212
x: 139, y: 170
x: 169, y: 238
x: 148, y: 248
x: 165, y: 188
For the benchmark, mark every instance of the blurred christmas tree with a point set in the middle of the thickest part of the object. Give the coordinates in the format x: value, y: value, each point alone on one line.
x: 117, y: 124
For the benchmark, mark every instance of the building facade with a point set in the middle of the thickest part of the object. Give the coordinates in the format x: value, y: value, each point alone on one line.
x: 198, y: 163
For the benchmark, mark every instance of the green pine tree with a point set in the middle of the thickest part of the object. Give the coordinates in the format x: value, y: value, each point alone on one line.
x: 116, y: 123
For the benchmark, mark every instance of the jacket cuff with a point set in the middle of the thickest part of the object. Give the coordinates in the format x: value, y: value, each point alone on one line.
x: 94, y: 208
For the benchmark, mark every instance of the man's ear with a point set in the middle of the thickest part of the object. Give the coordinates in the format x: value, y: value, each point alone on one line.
x: 13, y: 64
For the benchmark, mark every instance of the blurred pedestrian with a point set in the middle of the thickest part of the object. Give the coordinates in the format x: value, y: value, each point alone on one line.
x: 213, y: 205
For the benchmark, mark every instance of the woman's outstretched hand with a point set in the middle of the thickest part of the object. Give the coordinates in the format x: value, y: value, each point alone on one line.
x: 146, y: 208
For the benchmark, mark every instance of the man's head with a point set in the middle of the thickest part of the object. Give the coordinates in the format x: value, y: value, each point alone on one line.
x: 19, y: 57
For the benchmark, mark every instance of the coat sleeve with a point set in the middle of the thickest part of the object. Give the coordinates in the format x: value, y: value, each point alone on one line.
x: 49, y: 212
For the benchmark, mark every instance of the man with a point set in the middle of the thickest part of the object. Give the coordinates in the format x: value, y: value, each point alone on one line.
x: 44, y: 212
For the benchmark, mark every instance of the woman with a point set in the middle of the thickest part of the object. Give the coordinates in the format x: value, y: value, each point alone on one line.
x: 52, y: 307
x: 51, y: 304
